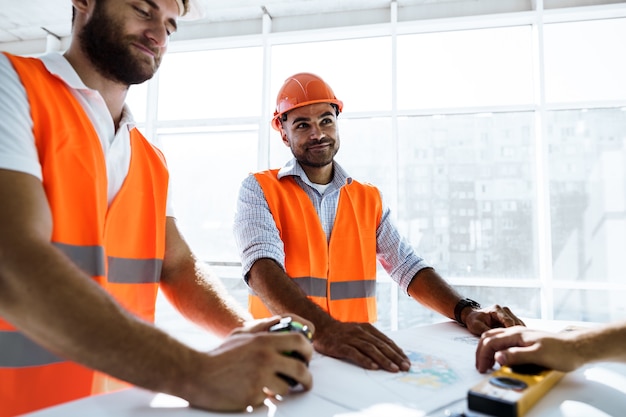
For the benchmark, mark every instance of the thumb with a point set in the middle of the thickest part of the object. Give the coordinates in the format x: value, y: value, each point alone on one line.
x: 258, y: 325
x: 515, y: 356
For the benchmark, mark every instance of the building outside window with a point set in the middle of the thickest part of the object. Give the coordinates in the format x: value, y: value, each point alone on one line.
x: 500, y: 148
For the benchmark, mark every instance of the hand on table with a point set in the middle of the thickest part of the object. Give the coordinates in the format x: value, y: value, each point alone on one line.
x: 479, y: 321
x: 247, y: 367
x: 520, y: 345
x: 361, y: 344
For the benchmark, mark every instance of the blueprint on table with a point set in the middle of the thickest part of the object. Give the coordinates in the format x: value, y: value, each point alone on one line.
x: 442, y: 371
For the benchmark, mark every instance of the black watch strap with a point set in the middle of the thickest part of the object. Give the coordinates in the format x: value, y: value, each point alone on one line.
x: 464, y: 302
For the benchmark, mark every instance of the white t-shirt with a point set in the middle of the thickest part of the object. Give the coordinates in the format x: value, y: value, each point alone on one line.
x: 17, y: 143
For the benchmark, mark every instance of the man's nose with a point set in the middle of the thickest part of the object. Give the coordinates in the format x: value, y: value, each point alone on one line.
x: 317, y: 132
x: 157, y: 33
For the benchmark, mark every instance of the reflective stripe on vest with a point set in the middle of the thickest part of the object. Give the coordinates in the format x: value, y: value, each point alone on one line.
x: 316, y: 287
x: 338, y: 275
x: 120, y: 246
x: 19, y: 351
x: 121, y: 270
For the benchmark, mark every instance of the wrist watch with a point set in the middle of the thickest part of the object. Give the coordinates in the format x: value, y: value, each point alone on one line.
x: 464, y: 302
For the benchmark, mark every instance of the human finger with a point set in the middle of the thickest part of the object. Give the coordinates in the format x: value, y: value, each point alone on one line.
x: 258, y: 325
x: 384, y: 352
x: 478, y: 322
x: 505, y: 317
x: 359, y: 347
x: 518, y: 356
x: 491, y: 342
x: 288, y: 343
x: 287, y: 379
x: 348, y: 352
x: 291, y: 366
x: 300, y: 320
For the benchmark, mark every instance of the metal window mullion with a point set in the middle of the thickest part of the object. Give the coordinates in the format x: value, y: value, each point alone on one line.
x: 544, y: 235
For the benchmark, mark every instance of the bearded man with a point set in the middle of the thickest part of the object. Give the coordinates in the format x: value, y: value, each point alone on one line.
x: 88, y: 237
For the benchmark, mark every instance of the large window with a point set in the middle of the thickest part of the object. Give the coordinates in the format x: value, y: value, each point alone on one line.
x: 500, y: 146
x: 466, y: 198
x: 486, y: 67
x: 358, y: 70
x: 587, y: 153
x: 206, y: 170
x: 211, y: 84
x: 582, y: 62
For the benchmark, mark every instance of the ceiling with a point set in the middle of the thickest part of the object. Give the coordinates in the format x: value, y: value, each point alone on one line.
x: 26, y: 25
x: 31, y: 21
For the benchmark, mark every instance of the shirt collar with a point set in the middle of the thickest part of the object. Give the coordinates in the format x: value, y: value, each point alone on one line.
x: 58, y: 65
x: 340, y: 176
x: 127, y: 118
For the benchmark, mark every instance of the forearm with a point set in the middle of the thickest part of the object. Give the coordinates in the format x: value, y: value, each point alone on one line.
x: 64, y: 311
x: 191, y: 287
x: 604, y: 343
x: 359, y: 343
x: 432, y: 291
x: 202, y: 298
x: 281, y: 295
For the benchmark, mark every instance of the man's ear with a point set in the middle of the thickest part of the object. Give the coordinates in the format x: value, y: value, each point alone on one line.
x: 82, y: 8
x: 283, y: 136
x: 81, y: 5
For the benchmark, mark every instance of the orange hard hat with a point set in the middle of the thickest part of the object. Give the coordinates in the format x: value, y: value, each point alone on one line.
x: 301, y: 90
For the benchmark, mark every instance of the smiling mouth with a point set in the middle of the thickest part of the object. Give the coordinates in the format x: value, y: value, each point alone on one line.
x: 144, y: 49
x: 322, y: 145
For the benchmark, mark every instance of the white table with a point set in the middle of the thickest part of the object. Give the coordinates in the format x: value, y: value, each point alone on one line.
x: 437, y: 386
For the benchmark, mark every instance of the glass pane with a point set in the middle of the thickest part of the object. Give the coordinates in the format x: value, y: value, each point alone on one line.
x: 211, y: 84
x: 358, y: 70
x: 582, y: 62
x: 279, y: 153
x: 367, y: 152
x: 207, y: 170
x: 466, y: 193
x: 465, y: 68
x: 589, y: 305
x: 137, y: 101
x: 588, y: 194
x: 383, y: 301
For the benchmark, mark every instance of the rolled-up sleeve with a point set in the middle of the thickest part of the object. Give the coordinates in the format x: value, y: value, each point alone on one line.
x: 256, y: 234
x: 17, y: 143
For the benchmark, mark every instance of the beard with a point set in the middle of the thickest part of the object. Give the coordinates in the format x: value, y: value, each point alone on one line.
x: 110, y: 51
x: 317, y: 159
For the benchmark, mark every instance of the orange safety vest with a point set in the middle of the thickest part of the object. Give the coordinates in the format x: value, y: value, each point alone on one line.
x: 121, y: 246
x: 338, y: 275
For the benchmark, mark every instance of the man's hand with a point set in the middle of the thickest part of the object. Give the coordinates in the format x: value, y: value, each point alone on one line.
x: 520, y: 345
x: 361, y: 344
x: 263, y: 325
x: 479, y: 321
x: 245, y: 369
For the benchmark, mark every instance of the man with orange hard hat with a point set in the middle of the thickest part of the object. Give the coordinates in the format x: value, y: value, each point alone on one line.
x: 309, y: 236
